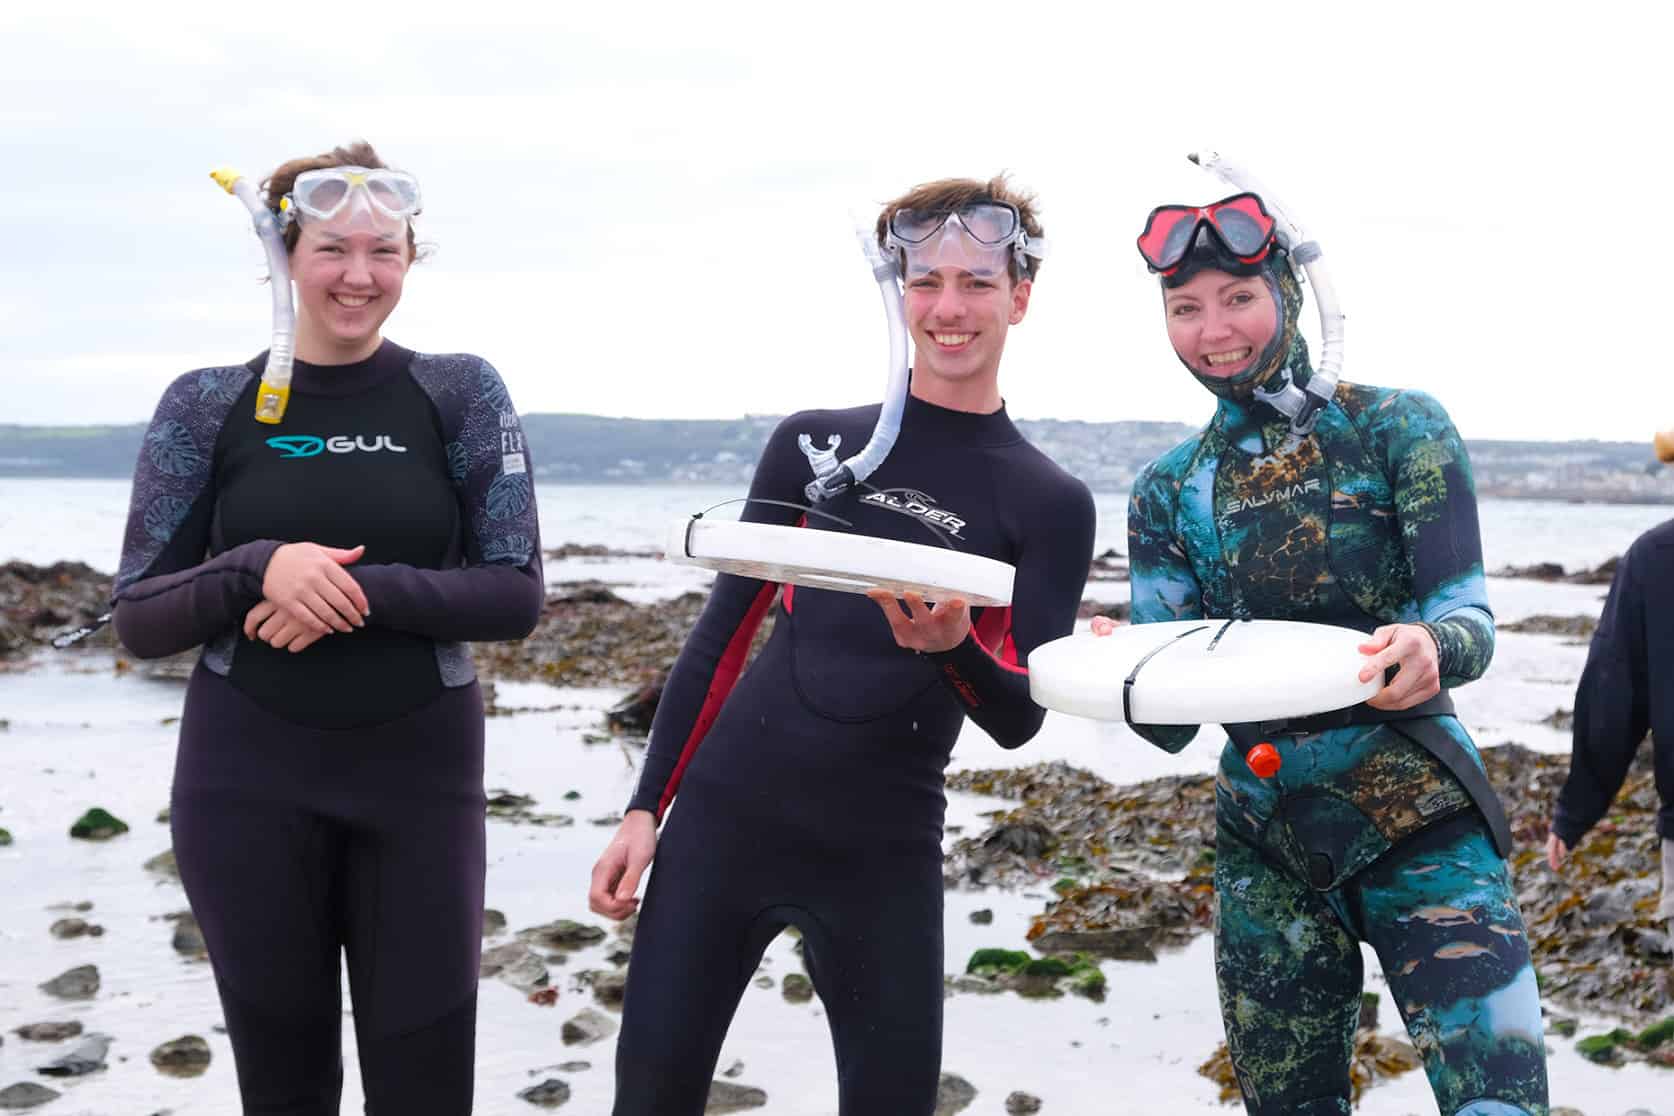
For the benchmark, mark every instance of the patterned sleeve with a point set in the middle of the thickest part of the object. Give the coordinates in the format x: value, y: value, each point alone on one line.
x: 1160, y: 577
x: 168, y: 596
x: 1435, y: 498
x: 499, y: 591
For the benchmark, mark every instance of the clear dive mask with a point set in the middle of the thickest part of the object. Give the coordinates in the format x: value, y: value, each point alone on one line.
x: 983, y: 238
x: 379, y: 197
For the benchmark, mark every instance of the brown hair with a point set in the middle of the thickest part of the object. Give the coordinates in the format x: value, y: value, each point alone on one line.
x: 949, y: 195
x: 356, y: 154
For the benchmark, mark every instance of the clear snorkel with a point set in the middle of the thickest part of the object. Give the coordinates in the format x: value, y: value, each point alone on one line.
x: 275, y: 389
x: 1301, y: 405
x: 830, y: 475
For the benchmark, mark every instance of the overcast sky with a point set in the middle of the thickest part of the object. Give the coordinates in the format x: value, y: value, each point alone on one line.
x: 645, y: 211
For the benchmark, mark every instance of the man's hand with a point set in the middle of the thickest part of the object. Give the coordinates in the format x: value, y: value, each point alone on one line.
x: 922, y: 627
x: 1556, y: 850
x: 616, y: 875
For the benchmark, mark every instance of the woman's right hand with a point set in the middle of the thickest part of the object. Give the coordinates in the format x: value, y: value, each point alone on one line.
x: 616, y: 875
x: 312, y: 589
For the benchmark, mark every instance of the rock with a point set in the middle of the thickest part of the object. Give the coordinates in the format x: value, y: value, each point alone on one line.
x: 79, y: 983
x: 562, y: 934
x: 5, y: 837
x: 74, y: 928
x: 608, y: 986
x: 764, y: 981
x: 983, y: 917
x: 504, y: 805
x: 48, y: 1032
x: 548, y: 1094
x: 81, y: 906
x: 186, y: 1056
x: 724, y: 1096
x: 98, y: 825
x: 1118, y: 945
x: 517, y: 965
x: 1026, y: 839
x: 163, y: 816
x: 188, y: 937
x: 1368, y: 1012
x: 1576, y: 627
x: 87, y: 1057
x: 574, y: 1067
x: 587, y: 1027
x: 493, y: 922
x: 1022, y: 1104
x: 25, y: 1094
x: 797, y: 988
x: 163, y: 864
x: 1562, y: 1026
x: 635, y: 712
x: 953, y: 1094
x: 735, y: 1069
x: 619, y: 956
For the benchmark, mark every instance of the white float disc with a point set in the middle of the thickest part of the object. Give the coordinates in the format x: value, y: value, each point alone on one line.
x: 1255, y: 670
x: 831, y: 560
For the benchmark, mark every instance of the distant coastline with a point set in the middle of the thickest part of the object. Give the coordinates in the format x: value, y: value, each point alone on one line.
x: 593, y: 449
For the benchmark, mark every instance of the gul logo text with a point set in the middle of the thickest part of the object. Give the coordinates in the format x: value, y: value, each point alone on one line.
x: 311, y: 445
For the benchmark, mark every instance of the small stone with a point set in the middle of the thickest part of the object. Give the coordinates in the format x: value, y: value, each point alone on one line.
x: 574, y: 1067
x: 98, y: 824
x: 80, y: 907
x: 609, y: 988
x: 1368, y: 1011
x: 74, y: 928
x: 562, y: 934
x: 735, y: 1069
x: 764, y: 981
x: 188, y: 937
x: 1022, y: 1104
x: 619, y: 956
x: 517, y: 965
x: 797, y: 988
x: 186, y: 1056
x: 87, y: 1057
x: 163, y: 816
x: 587, y: 1027
x: 48, y: 1032
x: 163, y: 864
x: 571, y: 796
x: 25, y: 1094
x: 983, y: 917
x: 548, y: 1094
x: 5, y: 837
x: 953, y: 1094
x: 724, y: 1096
x: 493, y: 922
x: 79, y: 983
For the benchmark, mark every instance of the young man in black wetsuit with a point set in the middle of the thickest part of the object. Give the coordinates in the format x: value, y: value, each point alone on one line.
x: 811, y: 794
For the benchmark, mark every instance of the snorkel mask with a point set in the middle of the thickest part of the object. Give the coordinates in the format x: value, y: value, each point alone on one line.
x: 379, y: 198
x: 984, y: 238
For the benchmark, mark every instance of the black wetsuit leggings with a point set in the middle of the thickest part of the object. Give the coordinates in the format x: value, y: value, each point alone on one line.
x: 297, y: 845
x: 720, y: 890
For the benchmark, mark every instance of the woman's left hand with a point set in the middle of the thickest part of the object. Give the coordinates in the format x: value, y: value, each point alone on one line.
x: 922, y: 627
x: 1412, y: 649
x: 266, y: 622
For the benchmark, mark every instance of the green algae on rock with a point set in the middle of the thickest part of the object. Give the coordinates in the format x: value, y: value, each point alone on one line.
x: 98, y: 824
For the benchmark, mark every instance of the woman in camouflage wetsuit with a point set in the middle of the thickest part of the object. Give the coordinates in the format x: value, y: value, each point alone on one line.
x: 1379, y: 824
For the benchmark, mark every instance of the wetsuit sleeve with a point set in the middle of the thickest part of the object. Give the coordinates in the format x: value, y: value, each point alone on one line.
x: 1160, y: 578
x: 1435, y: 499
x: 987, y: 671
x: 168, y: 597
x: 1612, y: 705
x: 498, y: 591
x: 714, y: 654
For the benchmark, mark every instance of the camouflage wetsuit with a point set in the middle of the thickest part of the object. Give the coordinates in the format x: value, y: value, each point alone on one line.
x: 1384, y: 832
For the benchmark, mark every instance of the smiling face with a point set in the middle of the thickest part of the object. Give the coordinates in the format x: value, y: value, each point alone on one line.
x: 958, y: 321
x: 1220, y: 324
x: 348, y: 278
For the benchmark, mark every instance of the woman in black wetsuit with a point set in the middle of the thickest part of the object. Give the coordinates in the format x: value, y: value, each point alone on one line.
x: 328, y: 790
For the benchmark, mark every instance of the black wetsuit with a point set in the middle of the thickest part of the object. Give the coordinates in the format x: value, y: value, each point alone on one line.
x: 331, y: 800
x: 812, y: 794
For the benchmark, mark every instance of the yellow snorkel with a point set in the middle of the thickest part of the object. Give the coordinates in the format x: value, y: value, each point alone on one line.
x: 275, y: 389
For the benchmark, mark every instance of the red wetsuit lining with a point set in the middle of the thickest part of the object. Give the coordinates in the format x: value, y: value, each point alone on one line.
x: 993, y: 633
x: 727, y: 670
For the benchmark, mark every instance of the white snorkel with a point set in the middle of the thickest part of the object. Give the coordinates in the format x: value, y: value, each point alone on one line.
x: 1301, y: 405
x: 830, y: 475
x: 275, y: 389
